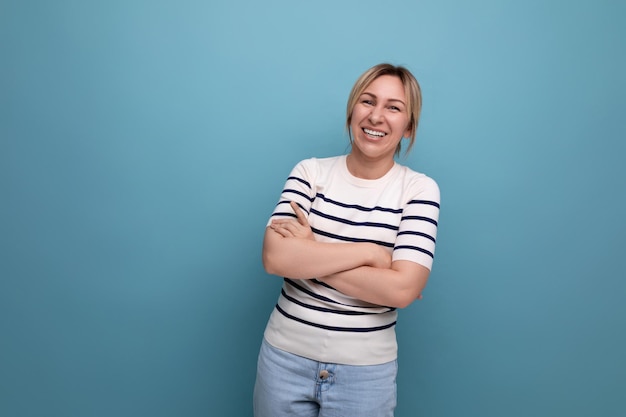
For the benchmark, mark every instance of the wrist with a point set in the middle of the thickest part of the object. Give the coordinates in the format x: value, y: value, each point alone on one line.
x: 374, y: 255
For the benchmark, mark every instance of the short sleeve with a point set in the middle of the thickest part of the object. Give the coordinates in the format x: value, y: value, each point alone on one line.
x: 417, y: 232
x: 299, y: 187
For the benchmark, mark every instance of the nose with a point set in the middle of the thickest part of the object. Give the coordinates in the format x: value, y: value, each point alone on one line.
x: 376, y: 115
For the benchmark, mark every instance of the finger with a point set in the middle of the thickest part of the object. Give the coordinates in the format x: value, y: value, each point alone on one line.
x: 299, y: 213
x: 284, y: 222
x: 291, y: 226
x: 281, y: 230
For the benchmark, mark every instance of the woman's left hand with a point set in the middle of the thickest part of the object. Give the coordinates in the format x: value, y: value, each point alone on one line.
x: 299, y: 228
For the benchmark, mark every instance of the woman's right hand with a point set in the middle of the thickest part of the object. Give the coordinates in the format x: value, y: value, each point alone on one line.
x: 299, y: 228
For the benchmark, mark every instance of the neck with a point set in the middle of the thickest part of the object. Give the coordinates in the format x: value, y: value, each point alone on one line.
x: 368, y: 169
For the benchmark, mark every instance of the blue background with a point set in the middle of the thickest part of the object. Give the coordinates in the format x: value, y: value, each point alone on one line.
x: 145, y: 143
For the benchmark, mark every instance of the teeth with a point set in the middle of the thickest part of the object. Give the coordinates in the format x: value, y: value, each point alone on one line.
x: 374, y: 133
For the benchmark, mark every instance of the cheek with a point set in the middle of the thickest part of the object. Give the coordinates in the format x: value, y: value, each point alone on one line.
x: 402, y: 125
x: 357, y: 118
x: 357, y: 113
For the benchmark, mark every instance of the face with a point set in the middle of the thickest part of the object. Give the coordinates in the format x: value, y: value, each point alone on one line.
x: 379, y: 120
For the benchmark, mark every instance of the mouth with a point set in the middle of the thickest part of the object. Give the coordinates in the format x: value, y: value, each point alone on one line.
x: 374, y: 133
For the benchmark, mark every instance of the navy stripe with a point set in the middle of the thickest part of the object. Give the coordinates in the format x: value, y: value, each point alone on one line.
x: 286, y: 213
x: 409, y: 232
x: 350, y: 239
x: 319, y: 297
x: 325, y: 310
x: 340, y: 220
x: 323, y: 284
x: 415, y: 248
x: 427, y: 202
x: 300, y: 180
x: 335, y: 328
x: 356, y: 206
x: 426, y: 219
x: 289, y: 190
x: 311, y: 293
x: 287, y: 202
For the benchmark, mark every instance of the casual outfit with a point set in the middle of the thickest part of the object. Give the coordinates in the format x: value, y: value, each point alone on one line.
x: 328, y: 339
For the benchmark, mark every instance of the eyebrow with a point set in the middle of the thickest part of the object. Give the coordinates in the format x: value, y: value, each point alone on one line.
x: 391, y: 99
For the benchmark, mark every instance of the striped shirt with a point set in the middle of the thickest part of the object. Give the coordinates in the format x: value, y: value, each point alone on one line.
x: 398, y: 211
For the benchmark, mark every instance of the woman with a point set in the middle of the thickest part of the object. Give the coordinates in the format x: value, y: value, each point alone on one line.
x: 354, y: 237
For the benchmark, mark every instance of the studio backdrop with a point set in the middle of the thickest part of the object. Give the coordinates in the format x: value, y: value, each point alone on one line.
x: 144, y: 144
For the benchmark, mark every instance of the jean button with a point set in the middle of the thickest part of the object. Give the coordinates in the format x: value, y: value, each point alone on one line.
x: 323, y: 374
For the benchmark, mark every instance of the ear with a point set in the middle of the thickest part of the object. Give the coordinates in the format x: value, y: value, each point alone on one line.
x: 407, y: 132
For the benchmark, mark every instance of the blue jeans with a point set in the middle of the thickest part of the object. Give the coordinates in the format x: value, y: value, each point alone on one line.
x: 288, y: 385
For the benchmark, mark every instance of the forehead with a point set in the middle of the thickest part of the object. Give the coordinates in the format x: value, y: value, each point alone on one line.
x: 386, y: 86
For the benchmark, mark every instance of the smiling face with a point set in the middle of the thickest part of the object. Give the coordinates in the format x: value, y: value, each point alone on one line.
x: 378, y: 123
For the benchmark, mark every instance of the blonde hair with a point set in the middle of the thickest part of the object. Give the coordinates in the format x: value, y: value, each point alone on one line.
x: 412, y: 91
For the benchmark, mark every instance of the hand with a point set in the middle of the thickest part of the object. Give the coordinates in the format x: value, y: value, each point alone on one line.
x: 299, y: 228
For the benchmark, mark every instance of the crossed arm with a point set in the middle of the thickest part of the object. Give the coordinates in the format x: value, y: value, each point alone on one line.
x: 361, y: 270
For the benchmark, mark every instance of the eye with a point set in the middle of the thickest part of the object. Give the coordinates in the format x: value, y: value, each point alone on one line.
x: 367, y: 102
x: 395, y: 108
